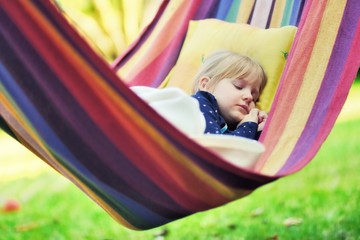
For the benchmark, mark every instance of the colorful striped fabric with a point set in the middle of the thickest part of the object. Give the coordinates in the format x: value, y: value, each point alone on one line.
x: 154, y: 53
x: 69, y: 107
x: 315, y: 82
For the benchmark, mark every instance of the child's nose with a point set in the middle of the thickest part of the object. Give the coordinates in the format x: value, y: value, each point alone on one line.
x: 247, y: 96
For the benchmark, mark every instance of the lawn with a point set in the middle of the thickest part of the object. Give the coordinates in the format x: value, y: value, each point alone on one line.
x: 319, y: 202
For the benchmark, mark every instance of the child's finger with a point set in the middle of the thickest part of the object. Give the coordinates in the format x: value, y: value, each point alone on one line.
x: 254, y: 112
x: 262, y: 116
x: 252, y: 116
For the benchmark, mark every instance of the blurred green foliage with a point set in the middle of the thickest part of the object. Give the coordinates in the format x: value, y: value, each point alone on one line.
x: 110, y: 26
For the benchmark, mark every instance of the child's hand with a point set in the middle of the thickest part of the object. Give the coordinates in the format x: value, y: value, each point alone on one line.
x: 252, y: 116
x: 255, y: 115
x: 262, y: 116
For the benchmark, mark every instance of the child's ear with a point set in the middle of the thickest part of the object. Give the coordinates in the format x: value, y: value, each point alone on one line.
x: 204, y: 80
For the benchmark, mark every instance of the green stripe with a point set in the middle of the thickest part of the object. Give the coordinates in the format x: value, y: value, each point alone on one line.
x: 234, y: 11
x: 287, y: 12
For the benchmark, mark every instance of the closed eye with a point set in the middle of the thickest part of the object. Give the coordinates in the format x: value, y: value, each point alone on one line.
x: 238, y: 86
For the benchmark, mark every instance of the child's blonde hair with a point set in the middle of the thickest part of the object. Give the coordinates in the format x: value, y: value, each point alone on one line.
x: 226, y: 64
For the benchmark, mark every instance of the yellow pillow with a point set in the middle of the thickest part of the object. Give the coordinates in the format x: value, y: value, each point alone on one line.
x: 267, y: 46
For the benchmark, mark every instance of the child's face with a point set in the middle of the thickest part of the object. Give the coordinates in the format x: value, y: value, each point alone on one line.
x: 236, y: 97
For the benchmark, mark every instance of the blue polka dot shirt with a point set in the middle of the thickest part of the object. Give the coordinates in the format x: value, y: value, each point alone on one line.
x: 215, y: 123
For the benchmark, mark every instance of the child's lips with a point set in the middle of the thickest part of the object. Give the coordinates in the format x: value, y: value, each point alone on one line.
x: 245, y: 108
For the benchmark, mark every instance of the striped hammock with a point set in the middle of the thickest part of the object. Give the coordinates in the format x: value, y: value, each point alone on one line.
x: 64, y: 103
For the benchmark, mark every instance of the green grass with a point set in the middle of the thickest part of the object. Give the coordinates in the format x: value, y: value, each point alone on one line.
x: 323, y: 198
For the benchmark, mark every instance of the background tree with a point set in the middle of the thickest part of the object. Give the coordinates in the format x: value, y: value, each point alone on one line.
x: 110, y: 25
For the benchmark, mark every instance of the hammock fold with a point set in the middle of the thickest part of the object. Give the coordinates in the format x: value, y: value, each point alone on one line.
x: 64, y: 103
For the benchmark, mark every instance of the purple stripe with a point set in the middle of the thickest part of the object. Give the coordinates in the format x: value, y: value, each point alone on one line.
x: 270, y: 14
x: 330, y: 86
x: 251, y: 13
x: 299, y: 13
x: 296, y: 12
x: 207, y: 9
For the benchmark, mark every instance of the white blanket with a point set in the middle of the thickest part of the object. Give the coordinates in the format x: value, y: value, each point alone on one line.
x: 183, y: 111
x: 176, y: 106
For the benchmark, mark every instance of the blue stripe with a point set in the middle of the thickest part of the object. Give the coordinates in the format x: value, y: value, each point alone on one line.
x: 223, y: 10
x: 295, y: 12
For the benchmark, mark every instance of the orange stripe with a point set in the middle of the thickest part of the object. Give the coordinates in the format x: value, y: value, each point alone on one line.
x: 278, y: 13
x: 245, y: 11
